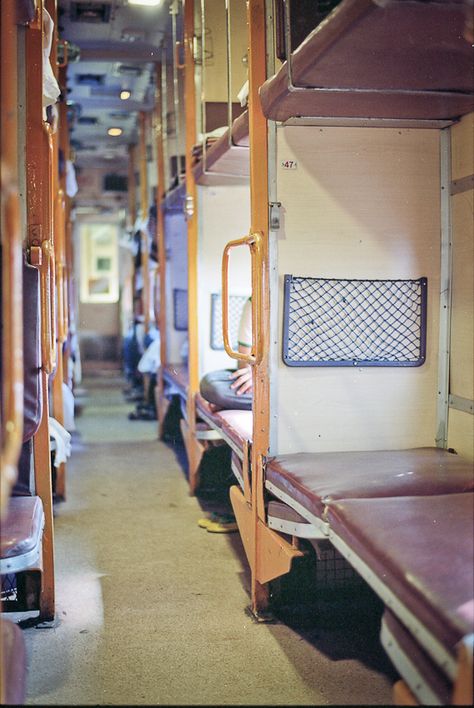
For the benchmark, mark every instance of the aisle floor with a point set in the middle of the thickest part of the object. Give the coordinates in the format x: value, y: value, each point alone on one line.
x: 151, y: 609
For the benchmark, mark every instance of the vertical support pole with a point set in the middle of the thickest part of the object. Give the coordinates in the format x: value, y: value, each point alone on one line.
x: 160, y: 239
x: 260, y: 281
x: 191, y: 211
x: 57, y: 236
x: 144, y: 215
x: 39, y: 230
x: 132, y: 186
x: 67, y: 254
x: 445, y: 291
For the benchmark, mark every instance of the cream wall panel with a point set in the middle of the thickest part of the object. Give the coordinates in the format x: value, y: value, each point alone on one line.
x: 216, y: 42
x: 462, y: 322
x: 362, y: 203
x: 224, y: 215
x: 462, y: 147
x: 461, y: 433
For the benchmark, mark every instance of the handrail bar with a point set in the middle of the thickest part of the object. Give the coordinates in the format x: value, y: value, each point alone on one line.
x: 253, y: 241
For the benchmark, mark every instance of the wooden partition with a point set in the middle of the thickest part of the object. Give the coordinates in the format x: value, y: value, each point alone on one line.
x: 460, y: 420
x: 358, y: 203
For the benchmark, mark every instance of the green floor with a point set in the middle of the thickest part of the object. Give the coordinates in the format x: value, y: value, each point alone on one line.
x: 151, y: 608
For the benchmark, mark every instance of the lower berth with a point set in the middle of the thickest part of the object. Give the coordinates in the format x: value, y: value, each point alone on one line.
x: 416, y: 553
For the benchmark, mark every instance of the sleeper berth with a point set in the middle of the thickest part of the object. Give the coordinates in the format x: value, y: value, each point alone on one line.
x: 371, y: 60
x: 227, y: 156
x: 22, y: 531
x: 235, y: 426
x: 410, y: 549
x: 309, y: 481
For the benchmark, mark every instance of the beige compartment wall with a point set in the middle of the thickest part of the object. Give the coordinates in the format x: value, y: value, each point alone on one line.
x: 216, y: 44
x: 224, y: 215
x: 461, y: 424
x: 362, y: 203
x: 176, y: 245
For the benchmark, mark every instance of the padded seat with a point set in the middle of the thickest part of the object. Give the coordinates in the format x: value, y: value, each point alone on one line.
x: 13, y: 657
x: 416, y: 668
x: 21, y: 534
x: 235, y: 425
x: 314, y: 479
x: 238, y: 425
x: 421, y: 549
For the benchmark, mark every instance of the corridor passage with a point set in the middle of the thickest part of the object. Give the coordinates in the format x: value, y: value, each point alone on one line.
x: 151, y: 608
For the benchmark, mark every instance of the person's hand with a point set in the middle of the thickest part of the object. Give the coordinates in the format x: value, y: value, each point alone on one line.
x: 242, y: 380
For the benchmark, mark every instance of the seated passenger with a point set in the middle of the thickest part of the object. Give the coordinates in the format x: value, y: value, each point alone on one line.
x: 148, y: 366
x: 228, y: 388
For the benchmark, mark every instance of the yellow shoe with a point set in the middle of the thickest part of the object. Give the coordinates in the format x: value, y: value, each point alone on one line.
x: 222, y: 527
x: 213, y: 517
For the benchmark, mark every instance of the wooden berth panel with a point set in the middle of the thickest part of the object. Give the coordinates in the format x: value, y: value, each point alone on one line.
x: 365, y: 52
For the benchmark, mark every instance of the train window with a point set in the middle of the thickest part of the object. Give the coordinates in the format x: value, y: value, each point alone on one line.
x: 99, y: 263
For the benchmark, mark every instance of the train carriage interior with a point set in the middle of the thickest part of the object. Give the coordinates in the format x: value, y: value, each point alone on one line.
x: 236, y: 352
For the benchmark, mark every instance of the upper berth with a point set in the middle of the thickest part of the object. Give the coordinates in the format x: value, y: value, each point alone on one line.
x: 228, y: 156
x: 400, y: 60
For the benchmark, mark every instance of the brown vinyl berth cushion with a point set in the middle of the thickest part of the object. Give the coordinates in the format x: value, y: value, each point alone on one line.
x: 421, y: 548
x: 13, y: 657
x: 177, y: 375
x: 379, y: 48
x: 314, y: 479
x: 21, y: 533
x: 235, y: 424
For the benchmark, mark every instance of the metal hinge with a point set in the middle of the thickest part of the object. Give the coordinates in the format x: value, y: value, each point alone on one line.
x: 189, y: 206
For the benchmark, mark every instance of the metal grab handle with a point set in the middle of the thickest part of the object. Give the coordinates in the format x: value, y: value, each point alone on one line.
x: 12, y: 419
x: 64, y: 43
x: 59, y: 221
x: 177, y: 47
x: 253, y: 241
x: 48, y: 330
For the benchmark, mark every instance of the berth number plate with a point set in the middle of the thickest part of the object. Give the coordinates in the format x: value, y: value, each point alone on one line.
x: 289, y: 164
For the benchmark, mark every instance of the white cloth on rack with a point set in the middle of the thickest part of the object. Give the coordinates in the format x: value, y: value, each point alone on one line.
x: 243, y: 94
x: 68, y: 408
x: 62, y: 439
x: 51, y: 90
x: 151, y: 359
x: 71, y: 181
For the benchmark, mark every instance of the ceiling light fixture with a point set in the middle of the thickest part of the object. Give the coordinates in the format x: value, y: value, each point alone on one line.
x: 124, y: 95
x: 115, y: 132
x: 145, y: 3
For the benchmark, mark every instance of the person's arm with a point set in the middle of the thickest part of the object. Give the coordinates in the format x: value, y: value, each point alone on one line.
x: 243, y: 375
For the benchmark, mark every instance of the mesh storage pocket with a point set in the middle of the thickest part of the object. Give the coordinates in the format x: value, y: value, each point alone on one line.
x: 329, y: 322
